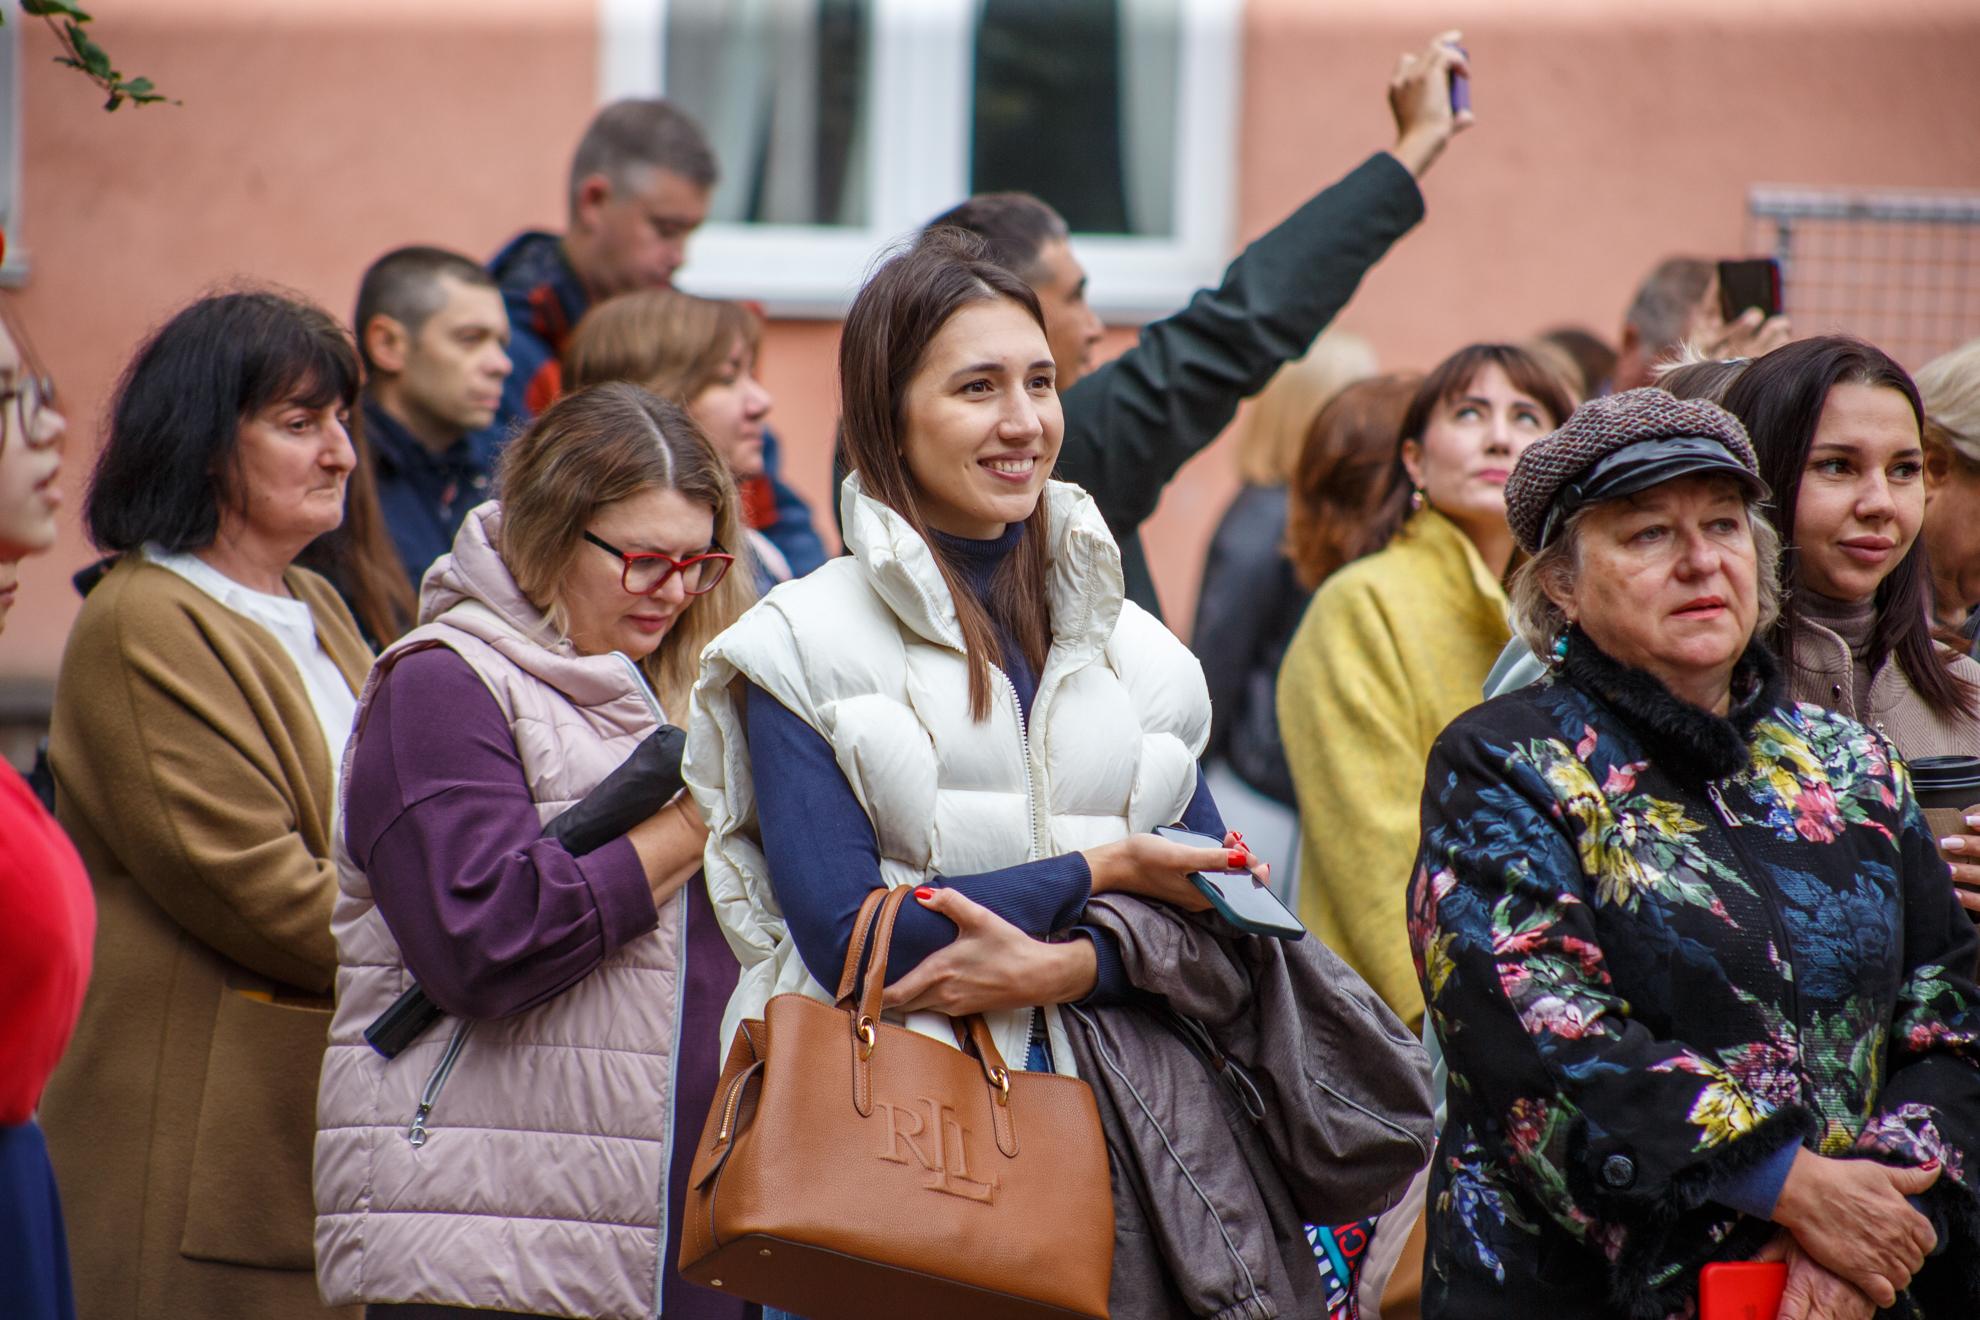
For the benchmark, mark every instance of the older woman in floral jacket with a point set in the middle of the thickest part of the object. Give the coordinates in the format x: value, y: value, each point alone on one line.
x: 1695, y: 961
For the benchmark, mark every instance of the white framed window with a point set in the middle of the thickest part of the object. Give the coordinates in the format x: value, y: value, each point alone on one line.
x: 842, y: 126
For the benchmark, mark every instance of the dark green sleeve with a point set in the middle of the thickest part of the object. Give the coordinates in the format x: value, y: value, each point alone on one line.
x: 1131, y: 424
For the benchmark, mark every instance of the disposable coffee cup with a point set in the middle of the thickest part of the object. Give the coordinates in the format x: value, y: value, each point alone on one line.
x: 1947, y: 787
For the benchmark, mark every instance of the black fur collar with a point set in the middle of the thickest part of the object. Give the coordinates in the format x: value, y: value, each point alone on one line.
x: 1680, y: 738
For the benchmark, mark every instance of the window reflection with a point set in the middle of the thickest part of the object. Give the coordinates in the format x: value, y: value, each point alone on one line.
x: 779, y: 86
x: 1075, y: 100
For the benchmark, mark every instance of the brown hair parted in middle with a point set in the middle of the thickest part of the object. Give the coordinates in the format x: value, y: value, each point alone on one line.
x: 887, y: 332
x: 595, y: 447
x: 673, y: 343
x: 1446, y: 381
x: 1343, y: 492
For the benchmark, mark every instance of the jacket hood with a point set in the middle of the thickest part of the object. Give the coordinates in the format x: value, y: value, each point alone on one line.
x: 1085, y: 583
x: 471, y: 589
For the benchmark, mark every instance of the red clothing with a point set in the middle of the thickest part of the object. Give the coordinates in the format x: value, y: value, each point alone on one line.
x: 47, y: 925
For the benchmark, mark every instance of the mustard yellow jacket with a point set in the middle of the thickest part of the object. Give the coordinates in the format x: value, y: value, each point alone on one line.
x: 1393, y: 648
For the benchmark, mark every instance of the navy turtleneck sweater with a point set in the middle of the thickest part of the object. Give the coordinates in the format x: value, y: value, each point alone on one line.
x: 824, y: 857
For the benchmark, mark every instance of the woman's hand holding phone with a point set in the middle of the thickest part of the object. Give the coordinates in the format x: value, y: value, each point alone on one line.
x: 1158, y: 868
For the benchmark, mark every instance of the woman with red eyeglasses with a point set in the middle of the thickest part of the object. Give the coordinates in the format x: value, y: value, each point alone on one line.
x: 522, y: 1156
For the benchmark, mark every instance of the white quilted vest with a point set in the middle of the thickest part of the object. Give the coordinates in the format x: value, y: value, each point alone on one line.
x: 536, y: 1179
x: 867, y: 651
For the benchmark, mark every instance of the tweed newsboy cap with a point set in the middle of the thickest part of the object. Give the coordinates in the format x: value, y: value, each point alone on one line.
x: 1602, y: 427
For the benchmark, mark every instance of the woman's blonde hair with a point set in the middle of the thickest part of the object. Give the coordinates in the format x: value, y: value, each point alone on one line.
x: 1274, y: 426
x: 1539, y: 622
x: 673, y: 343
x: 598, y: 446
x: 1950, y: 387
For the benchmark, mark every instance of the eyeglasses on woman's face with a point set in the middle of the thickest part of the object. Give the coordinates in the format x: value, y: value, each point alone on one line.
x: 33, y: 394
x: 644, y: 574
x: 25, y: 384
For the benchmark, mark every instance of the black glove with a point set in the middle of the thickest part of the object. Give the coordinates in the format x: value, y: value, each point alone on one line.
x: 644, y: 783
x: 647, y: 780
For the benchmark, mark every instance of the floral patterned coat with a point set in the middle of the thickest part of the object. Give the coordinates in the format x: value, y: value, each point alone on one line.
x: 1658, y: 945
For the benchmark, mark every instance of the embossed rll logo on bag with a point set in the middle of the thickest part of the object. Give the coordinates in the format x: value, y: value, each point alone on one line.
x: 939, y: 1123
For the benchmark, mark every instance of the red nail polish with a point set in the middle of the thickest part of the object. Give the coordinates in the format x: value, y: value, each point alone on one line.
x: 1239, y: 860
x: 1929, y: 1165
x: 924, y: 893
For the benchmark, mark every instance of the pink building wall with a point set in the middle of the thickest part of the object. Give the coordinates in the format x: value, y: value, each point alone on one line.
x: 316, y: 135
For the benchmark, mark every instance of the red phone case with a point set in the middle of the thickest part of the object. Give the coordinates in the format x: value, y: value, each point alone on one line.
x: 1741, y: 1289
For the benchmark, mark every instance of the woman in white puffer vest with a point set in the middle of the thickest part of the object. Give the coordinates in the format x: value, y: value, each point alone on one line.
x: 528, y: 1154
x: 966, y: 703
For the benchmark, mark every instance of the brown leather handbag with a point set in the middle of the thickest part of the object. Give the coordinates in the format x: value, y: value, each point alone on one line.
x: 852, y: 1168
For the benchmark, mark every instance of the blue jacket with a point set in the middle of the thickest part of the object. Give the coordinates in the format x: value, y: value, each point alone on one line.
x: 545, y: 301
x: 425, y: 496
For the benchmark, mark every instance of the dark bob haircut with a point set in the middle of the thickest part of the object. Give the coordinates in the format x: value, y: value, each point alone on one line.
x: 168, y: 462
x: 1780, y: 399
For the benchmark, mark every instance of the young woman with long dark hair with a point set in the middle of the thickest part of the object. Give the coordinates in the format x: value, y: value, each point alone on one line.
x: 1838, y: 424
x: 968, y: 704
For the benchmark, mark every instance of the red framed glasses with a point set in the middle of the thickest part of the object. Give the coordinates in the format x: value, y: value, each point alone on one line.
x: 643, y: 574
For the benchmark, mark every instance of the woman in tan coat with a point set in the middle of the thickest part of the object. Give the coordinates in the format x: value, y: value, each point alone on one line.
x: 204, y: 701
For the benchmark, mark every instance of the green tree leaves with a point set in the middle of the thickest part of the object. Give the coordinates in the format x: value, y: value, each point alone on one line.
x: 66, y: 19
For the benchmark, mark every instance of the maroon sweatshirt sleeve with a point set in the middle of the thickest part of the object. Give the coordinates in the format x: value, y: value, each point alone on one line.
x: 492, y: 917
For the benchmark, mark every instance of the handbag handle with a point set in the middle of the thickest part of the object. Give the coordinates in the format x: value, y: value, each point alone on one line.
x: 862, y: 927
x: 865, y: 1020
x: 994, y: 1069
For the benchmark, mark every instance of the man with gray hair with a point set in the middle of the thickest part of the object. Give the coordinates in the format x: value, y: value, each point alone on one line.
x: 640, y: 184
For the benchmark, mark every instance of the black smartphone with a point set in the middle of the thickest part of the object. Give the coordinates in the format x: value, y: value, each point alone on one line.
x: 1460, y: 87
x: 1237, y: 895
x: 1753, y: 282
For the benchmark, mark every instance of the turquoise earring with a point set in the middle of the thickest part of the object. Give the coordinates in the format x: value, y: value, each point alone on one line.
x: 1560, y: 649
